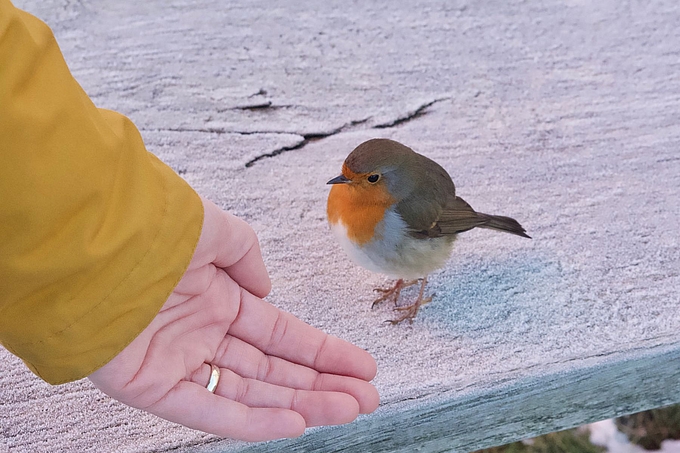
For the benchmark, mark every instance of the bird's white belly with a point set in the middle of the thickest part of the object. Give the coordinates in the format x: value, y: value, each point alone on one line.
x: 394, y: 252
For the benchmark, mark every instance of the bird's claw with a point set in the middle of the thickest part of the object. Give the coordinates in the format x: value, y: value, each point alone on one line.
x: 392, y: 293
x: 410, y: 311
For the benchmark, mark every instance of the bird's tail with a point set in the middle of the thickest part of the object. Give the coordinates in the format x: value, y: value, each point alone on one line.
x: 502, y: 223
x: 458, y: 216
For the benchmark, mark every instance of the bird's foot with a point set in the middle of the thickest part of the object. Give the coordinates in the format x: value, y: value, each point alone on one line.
x: 393, y: 292
x: 409, y: 312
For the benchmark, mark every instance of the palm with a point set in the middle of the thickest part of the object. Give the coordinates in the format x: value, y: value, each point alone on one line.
x: 278, y: 375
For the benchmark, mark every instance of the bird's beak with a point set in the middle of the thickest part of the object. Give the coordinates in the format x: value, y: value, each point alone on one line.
x: 339, y: 180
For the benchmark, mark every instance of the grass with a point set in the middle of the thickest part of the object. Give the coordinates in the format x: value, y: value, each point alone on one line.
x: 646, y: 429
x: 569, y: 441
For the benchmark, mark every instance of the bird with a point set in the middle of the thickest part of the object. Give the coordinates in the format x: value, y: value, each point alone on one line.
x: 395, y: 211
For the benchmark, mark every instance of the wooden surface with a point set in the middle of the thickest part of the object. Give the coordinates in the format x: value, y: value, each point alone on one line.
x: 509, y: 412
x: 562, y: 114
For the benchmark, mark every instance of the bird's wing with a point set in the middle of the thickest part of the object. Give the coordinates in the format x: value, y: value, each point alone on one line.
x: 458, y: 216
x: 421, y: 216
x: 422, y: 209
x: 455, y: 217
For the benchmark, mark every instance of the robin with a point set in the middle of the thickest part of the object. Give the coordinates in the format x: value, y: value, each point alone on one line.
x: 396, y: 212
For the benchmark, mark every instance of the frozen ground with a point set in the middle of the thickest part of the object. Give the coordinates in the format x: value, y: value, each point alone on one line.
x: 562, y: 114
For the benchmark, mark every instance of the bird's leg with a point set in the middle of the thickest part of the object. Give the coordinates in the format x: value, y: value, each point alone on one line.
x: 410, y: 311
x: 393, y: 292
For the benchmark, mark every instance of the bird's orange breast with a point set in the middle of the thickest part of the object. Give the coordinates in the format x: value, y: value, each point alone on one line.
x: 359, y: 207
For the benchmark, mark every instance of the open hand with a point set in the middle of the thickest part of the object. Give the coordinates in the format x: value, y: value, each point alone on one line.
x: 278, y: 374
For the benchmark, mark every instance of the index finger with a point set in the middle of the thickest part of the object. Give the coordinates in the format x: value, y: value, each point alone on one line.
x: 281, y: 334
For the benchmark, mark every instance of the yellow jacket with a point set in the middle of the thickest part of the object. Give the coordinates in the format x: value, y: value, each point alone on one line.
x: 95, y: 232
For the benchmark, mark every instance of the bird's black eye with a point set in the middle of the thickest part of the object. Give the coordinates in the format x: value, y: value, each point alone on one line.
x: 373, y: 178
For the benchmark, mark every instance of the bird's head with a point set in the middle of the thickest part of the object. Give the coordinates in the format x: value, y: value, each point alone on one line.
x: 378, y: 170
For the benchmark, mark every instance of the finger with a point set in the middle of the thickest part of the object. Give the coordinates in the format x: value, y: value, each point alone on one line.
x: 281, y: 334
x: 235, y: 248
x: 196, y: 280
x: 316, y: 407
x: 365, y: 394
x: 192, y: 405
x: 249, y: 362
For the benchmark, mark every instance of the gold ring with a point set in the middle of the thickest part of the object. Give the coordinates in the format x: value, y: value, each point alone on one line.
x: 214, y: 378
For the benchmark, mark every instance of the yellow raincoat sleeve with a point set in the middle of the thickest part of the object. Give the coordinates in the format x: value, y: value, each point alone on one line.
x: 95, y: 232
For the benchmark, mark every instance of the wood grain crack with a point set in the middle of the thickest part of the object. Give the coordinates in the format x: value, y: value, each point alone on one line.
x: 310, y: 137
